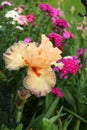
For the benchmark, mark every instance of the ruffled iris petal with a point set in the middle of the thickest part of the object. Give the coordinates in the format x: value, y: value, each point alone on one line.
x: 38, y: 59
x: 42, y: 84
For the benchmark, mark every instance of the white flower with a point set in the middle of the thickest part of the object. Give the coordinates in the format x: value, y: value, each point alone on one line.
x: 12, y: 14
x: 67, y: 57
x: 19, y: 27
x: 0, y: 26
x: 59, y: 65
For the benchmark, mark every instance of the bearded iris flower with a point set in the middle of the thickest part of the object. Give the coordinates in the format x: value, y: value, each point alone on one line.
x: 40, y: 78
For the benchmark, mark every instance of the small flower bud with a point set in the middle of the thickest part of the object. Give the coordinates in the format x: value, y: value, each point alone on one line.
x: 22, y: 95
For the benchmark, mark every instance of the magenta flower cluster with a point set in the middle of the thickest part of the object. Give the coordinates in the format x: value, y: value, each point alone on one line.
x: 45, y: 7
x: 53, y: 12
x: 60, y: 25
x: 30, y: 18
x: 60, y: 22
x: 56, y: 38
x: 55, y: 15
x: 71, y: 65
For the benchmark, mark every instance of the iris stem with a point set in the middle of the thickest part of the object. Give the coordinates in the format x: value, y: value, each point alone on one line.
x: 19, y: 115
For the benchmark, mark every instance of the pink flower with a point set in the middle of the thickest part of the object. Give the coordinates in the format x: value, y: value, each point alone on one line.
x: 67, y: 35
x: 57, y: 92
x: 85, y: 49
x: 80, y: 51
x: 27, y: 40
x: 80, y: 26
x: 30, y: 18
x: 6, y: 3
x: 19, y: 10
x: 22, y: 20
x: 60, y: 22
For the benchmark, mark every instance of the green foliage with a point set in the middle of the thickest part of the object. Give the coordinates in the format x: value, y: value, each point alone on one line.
x: 47, y: 125
x: 52, y: 108
x: 19, y: 127
x: 50, y: 112
x: 67, y: 122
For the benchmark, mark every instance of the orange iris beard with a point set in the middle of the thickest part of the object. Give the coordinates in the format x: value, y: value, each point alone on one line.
x: 36, y: 71
x: 40, y: 77
x: 33, y: 68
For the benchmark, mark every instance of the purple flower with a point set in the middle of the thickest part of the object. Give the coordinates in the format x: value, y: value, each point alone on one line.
x: 55, y: 12
x: 56, y: 69
x: 67, y: 35
x: 27, y: 40
x: 80, y: 51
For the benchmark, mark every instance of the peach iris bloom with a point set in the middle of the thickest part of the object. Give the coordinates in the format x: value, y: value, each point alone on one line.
x: 38, y: 59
